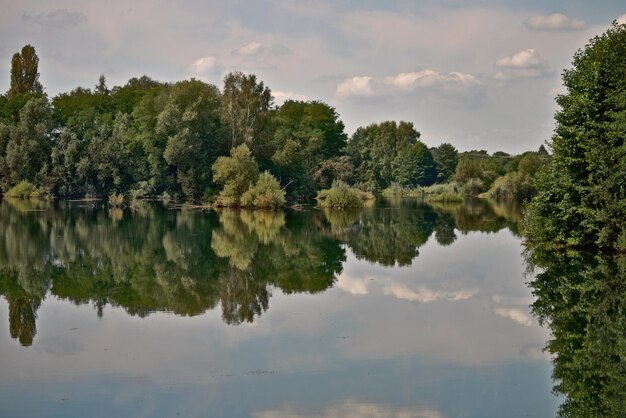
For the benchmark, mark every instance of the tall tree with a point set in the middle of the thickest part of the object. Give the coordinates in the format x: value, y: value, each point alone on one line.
x: 305, y: 135
x: 446, y: 159
x: 374, y: 150
x: 25, y: 72
x: 582, y: 198
x: 101, y: 87
x: 245, y: 104
x: 25, y: 146
x: 414, y: 166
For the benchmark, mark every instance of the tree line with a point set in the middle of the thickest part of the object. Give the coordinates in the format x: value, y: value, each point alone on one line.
x: 192, y: 140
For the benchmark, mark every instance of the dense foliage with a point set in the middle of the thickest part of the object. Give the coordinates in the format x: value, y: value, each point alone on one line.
x: 342, y: 196
x: 147, y: 139
x: 582, y: 198
x: 582, y: 298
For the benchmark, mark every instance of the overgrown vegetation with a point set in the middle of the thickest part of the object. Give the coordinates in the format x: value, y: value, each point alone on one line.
x: 27, y: 190
x: 266, y: 193
x: 342, y: 196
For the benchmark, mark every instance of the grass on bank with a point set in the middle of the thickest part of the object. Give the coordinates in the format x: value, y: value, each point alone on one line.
x: 446, y: 192
x: 341, y: 196
x: 27, y: 190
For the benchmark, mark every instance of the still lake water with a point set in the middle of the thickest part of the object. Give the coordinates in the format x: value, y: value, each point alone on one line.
x: 399, y: 310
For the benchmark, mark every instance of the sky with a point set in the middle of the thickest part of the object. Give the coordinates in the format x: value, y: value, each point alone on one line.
x: 479, y: 74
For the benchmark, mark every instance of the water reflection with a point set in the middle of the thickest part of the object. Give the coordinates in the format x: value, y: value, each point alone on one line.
x: 582, y: 297
x: 148, y: 258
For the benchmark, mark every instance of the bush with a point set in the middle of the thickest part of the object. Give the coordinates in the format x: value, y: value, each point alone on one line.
x: 438, y: 189
x: 474, y: 187
x: 27, y: 190
x: 342, y: 196
x: 512, y: 186
x: 444, y: 198
x: 116, y: 200
x: 237, y: 173
x: 266, y: 193
x: 142, y: 190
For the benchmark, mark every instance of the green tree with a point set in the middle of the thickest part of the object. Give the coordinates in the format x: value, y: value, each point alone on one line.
x: 581, y: 297
x: 190, y: 124
x: 245, y: 106
x: 582, y: 198
x: 25, y: 146
x: 446, y: 160
x: 305, y: 135
x: 236, y: 173
x: 101, y: 87
x: 266, y: 193
x: 414, y: 166
x: 25, y: 72
x: 375, y: 148
x: 178, y: 131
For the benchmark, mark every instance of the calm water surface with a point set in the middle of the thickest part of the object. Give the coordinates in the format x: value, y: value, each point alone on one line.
x: 399, y: 310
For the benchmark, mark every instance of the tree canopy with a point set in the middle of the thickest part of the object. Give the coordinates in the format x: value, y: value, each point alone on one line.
x: 582, y: 198
x: 147, y: 138
x: 25, y: 72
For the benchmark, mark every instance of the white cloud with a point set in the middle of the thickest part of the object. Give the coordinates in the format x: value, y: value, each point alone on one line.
x: 352, y: 286
x: 425, y: 295
x: 354, y: 409
x: 426, y: 78
x: 621, y: 20
x: 528, y: 58
x: 281, y: 97
x: 355, y: 87
x: 253, y: 48
x: 205, y: 69
x: 515, y: 314
x: 523, y: 64
x: 364, y: 86
x: 554, y: 22
x: 203, y: 65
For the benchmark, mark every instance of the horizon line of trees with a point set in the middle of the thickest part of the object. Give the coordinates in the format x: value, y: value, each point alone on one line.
x: 148, y: 137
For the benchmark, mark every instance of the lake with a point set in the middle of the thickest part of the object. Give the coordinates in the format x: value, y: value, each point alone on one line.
x: 398, y: 310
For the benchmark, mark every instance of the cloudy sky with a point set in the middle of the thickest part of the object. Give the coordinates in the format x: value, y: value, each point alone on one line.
x: 479, y: 74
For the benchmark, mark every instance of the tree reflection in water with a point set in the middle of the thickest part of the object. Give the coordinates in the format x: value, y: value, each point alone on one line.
x: 148, y: 259
x: 582, y: 298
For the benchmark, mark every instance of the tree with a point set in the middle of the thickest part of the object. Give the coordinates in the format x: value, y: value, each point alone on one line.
x: 374, y: 150
x: 25, y: 146
x: 190, y: 126
x: 581, y: 297
x: 414, y: 166
x: 245, y: 105
x: 236, y: 173
x: 25, y: 72
x: 101, y: 87
x: 446, y: 160
x: 582, y: 198
x: 305, y: 135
